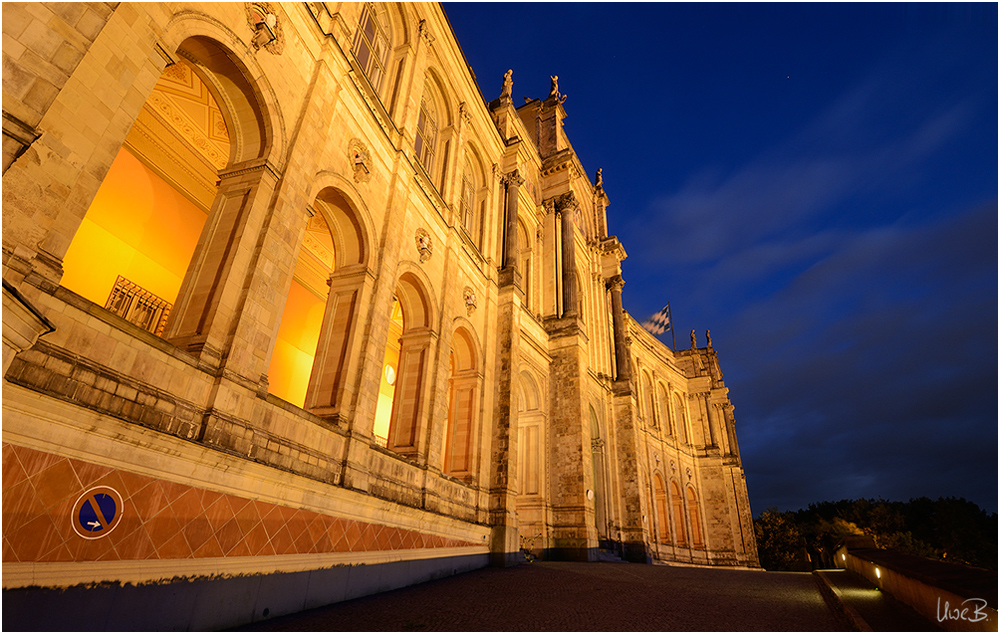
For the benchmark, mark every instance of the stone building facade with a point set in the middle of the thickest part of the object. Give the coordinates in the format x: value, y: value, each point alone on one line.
x: 290, y: 310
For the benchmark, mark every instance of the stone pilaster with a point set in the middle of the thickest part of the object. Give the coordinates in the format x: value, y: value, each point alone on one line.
x: 504, y: 537
x: 214, y: 283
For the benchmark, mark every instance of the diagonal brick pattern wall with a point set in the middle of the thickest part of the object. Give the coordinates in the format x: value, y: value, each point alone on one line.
x: 165, y: 520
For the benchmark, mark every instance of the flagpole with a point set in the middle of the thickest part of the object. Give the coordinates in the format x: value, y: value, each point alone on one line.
x: 670, y: 317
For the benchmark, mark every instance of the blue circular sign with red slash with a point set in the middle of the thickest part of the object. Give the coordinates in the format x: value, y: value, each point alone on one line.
x: 97, y: 512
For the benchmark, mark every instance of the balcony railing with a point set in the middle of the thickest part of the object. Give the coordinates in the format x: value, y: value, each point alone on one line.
x: 135, y: 304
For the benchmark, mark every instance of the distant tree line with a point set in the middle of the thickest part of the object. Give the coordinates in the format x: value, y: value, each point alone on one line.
x: 948, y: 529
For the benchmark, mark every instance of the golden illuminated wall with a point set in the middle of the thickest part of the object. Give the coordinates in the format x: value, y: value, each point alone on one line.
x: 390, y: 368
x: 139, y: 227
x: 295, y: 347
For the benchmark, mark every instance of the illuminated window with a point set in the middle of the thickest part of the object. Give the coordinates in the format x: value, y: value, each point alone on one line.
x: 371, y: 44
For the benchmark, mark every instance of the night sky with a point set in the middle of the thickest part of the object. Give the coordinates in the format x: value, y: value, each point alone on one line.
x: 816, y: 184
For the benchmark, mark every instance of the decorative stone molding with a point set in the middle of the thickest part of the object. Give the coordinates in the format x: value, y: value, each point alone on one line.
x: 470, y: 300
x: 358, y: 155
x: 425, y: 33
x: 425, y: 247
x: 464, y: 117
x: 266, y: 31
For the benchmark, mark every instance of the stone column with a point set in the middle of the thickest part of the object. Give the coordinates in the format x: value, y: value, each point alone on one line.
x: 509, y: 272
x: 330, y: 388
x: 623, y: 371
x: 207, y: 307
x: 566, y: 206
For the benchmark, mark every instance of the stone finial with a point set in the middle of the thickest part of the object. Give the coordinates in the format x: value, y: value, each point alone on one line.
x: 599, y: 179
x: 708, y: 336
x: 694, y: 341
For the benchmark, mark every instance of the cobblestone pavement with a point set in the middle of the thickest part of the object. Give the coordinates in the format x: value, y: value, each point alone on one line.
x: 567, y: 596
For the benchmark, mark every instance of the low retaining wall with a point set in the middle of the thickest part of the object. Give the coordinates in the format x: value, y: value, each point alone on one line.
x: 944, y: 599
x: 214, y: 603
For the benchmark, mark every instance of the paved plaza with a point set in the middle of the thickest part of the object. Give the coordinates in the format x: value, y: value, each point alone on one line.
x: 567, y: 596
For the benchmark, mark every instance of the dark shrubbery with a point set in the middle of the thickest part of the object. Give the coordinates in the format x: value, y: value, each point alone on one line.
x: 949, y: 529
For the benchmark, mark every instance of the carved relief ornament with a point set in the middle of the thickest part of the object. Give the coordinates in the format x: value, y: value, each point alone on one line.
x: 357, y: 154
x: 266, y: 31
x: 425, y: 247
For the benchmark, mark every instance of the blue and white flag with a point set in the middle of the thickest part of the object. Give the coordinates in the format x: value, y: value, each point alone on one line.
x: 658, y: 323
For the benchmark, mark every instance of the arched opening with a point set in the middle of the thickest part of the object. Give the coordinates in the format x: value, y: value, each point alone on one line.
x: 133, y: 247
x: 463, y: 383
x: 663, y: 519
x: 161, y: 243
x: 696, y: 538
x: 406, y: 420
x: 677, y: 502
x: 307, y: 362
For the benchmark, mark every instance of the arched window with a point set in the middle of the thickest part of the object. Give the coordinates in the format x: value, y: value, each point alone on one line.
x: 467, y: 203
x: 696, y: 538
x: 525, y: 242
x: 661, y: 393
x: 677, y: 503
x: 529, y: 435
x: 427, y: 132
x: 663, y: 519
x: 680, y: 419
x: 647, y: 391
x: 462, y: 404
x: 371, y: 43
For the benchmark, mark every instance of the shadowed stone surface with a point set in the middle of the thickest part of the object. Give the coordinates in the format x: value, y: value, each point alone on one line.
x: 570, y: 596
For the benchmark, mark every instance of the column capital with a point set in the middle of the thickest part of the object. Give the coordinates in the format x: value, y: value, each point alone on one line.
x: 615, y: 283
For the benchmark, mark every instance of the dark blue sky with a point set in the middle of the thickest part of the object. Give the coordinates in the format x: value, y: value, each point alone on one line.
x: 815, y: 183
